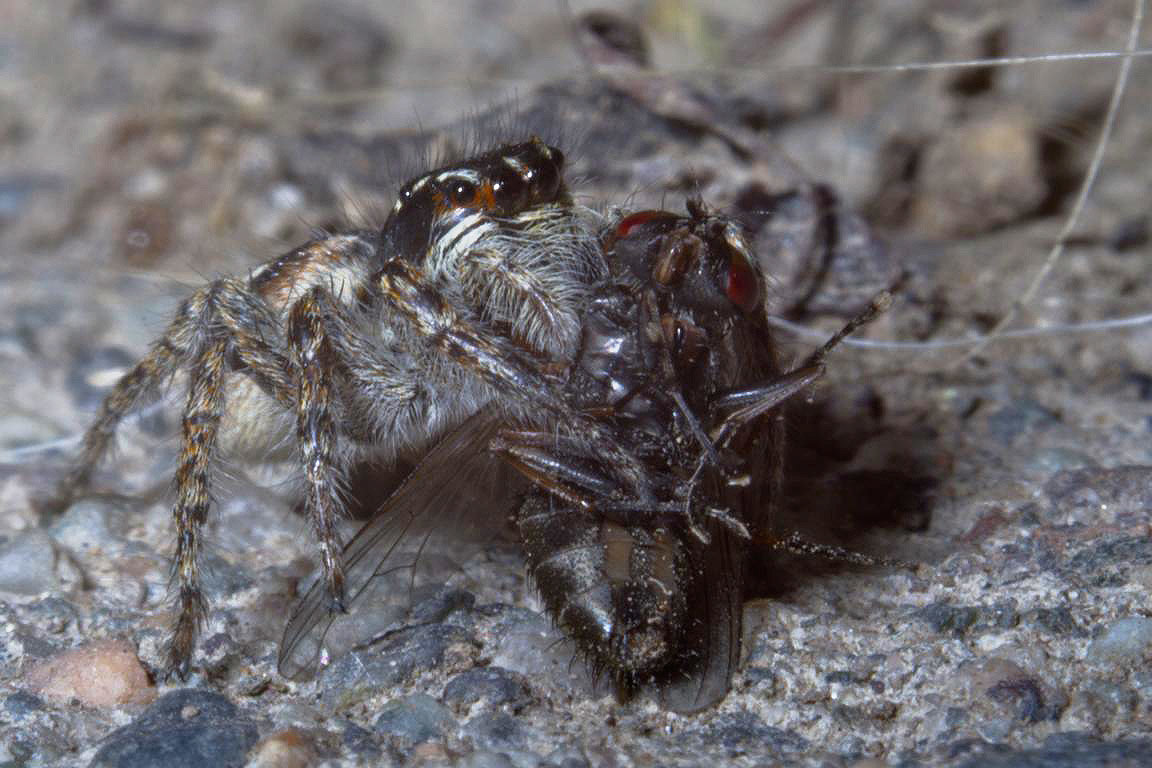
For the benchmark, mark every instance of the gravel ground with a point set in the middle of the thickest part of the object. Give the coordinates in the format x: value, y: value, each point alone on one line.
x: 146, y: 147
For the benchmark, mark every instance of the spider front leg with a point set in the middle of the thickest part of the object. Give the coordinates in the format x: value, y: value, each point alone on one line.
x: 510, y: 371
x: 201, y: 427
x: 222, y: 325
x: 314, y: 360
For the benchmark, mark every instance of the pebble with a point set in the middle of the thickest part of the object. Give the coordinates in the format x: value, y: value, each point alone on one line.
x: 945, y: 617
x: 528, y: 644
x: 497, y: 731
x: 103, y: 675
x: 28, y: 563
x: 1120, y: 489
x: 486, y: 759
x: 414, y: 719
x: 1123, y: 642
x: 1058, y: 621
x: 84, y: 531
x: 499, y: 686
x: 359, y: 742
x: 22, y: 703
x: 739, y: 731
x: 981, y: 174
x: 441, y: 605
x: 188, y: 728
x: 399, y: 659
x: 567, y: 757
x: 285, y: 749
x: 1070, y: 750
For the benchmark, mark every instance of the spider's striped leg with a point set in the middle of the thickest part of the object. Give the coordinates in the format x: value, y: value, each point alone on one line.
x: 201, y: 426
x: 314, y: 361
x: 225, y: 308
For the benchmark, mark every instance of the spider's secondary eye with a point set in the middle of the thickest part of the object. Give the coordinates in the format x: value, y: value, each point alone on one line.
x: 509, y: 191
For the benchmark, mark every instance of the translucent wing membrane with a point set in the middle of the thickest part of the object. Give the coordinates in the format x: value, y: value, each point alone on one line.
x: 448, y: 508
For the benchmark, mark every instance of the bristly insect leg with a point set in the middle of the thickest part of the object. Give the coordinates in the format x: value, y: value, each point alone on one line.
x: 315, y: 360
x: 753, y: 402
x: 194, y: 497
x: 798, y: 545
x: 152, y: 372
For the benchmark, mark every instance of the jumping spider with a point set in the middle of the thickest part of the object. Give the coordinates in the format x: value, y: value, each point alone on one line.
x: 376, y: 343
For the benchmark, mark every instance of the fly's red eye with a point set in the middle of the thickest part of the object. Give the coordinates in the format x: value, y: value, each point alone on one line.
x: 743, y: 287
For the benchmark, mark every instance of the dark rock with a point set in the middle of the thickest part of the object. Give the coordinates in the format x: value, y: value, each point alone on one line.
x: 1131, y: 234
x: 359, y: 741
x: 499, y: 686
x: 1020, y: 417
x: 495, y: 731
x: 1122, y: 489
x: 739, y: 732
x: 23, y: 703
x: 847, y: 677
x: 864, y: 715
x: 1029, y: 700
x: 189, y: 728
x: 413, y: 720
x: 945, y: 617
x: 961, y: 619
x: 1108, y: 561
x: 1058, y: 621
x: 763, y: 676
x: 348, y: 48
x: 442, y: 605
x: 1071, y: 750
x: 397, y: 659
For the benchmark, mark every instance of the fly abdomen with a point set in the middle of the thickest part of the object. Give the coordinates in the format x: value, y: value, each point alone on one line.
x: 615, y: 590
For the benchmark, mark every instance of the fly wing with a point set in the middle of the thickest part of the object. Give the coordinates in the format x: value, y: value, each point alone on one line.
x: 714, y: 628
x: 451, y: 504
x: 710, y: 653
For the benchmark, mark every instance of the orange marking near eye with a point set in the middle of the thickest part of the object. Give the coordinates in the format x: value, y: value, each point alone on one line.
x: 486, y: 196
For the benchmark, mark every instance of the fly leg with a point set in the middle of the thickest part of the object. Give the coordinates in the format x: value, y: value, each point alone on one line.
x: 570, y: 471
x: 747, y: 405
x: 798, y: 545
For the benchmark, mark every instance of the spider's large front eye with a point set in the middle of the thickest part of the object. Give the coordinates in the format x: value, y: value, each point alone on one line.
x: 461, y: 193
